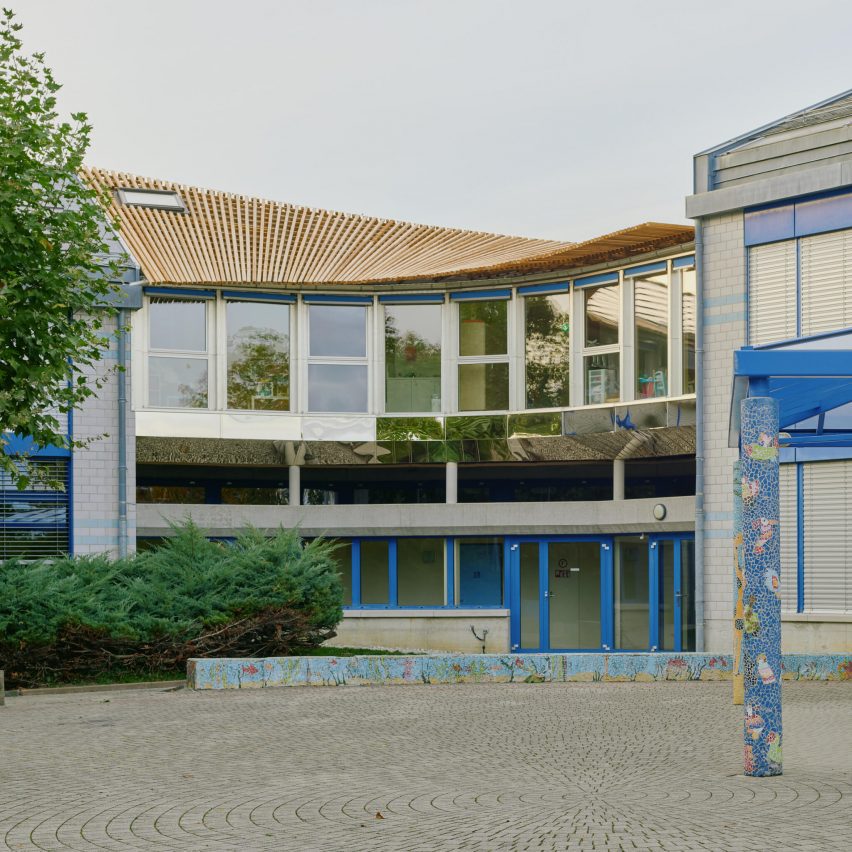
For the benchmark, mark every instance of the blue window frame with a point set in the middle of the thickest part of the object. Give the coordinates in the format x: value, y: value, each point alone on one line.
x: 34, y: 523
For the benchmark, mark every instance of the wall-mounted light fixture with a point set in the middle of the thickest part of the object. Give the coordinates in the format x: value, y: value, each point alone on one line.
x: 659, y: 511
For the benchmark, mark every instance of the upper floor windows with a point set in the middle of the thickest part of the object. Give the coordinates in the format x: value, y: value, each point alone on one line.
x: 258, y: 355
x: 651, y: 337
x: 413, y: 358
x: 483, y: 365
x: 623, y: 337
x: 602, y: 360
x: 337, y: 358
x: 547, y: 336
x: 178, y: 362
x: 800, y: 287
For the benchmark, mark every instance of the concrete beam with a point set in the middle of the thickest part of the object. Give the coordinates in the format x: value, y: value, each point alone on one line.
x: 601, y: 517
x: 766, y: 190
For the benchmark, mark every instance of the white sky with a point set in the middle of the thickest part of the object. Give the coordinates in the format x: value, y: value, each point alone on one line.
x: 547, y: 118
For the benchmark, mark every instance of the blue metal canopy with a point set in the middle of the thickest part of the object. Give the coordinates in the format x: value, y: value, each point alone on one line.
x: 811, y: 377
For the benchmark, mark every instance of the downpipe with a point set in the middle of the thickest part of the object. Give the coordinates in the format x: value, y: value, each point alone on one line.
x: 122, y: 434
x: 699, y: 436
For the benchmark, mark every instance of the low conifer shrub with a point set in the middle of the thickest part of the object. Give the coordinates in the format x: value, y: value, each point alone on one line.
x: 75, y: 618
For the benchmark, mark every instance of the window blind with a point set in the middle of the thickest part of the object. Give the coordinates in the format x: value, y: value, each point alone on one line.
x: 772, y: 292
x: 826, y: 282
x: 828, y: 536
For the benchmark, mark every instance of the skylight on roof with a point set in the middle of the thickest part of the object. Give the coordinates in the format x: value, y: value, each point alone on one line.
x: 156, y: 199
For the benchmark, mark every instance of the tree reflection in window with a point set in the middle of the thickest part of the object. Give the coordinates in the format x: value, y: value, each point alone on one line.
x: 258, y: 356
x: 547, y: 335
x: 412, y: 358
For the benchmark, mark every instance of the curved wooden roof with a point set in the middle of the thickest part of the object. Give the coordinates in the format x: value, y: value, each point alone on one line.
x: 224, y: 238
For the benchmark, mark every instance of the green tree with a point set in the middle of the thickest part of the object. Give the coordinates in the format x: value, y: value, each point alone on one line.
x: 54, y: 262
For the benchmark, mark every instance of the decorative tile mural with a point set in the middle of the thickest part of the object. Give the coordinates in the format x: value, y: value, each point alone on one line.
x: 761, y: 586
x: 493, y: 668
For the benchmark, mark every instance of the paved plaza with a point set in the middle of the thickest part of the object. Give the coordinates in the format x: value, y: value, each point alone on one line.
x: 474, y: 767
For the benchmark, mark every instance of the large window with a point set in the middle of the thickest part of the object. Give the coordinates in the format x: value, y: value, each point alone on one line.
x: 546, y: 341
x: 178, y: 363
x: 651, y: 342
x: 420, y: 572
x: 258, y: 340
x: 337, y: 358
x: 483, y: 369
x: 602, y: 374
x: 480, y: 572
x: 688, y: 329
x: 413, y: 358
x: 375, y: 573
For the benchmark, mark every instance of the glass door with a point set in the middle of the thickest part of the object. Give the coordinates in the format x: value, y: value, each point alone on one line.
x: 558, y: 586
x: 672, y: 580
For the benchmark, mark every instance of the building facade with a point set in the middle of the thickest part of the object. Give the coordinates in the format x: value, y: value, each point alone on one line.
x: 501, y: 432
x: 773, y: 210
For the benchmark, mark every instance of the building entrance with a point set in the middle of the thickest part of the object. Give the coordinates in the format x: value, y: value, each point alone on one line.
x: 602, y: 593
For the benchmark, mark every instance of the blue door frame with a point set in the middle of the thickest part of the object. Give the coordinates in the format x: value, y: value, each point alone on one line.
x: 514, y: 563
x: 655, y: 591
x: 607, y: 573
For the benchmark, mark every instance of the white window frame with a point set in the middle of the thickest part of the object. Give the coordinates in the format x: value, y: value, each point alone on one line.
x: 521, y: 344
x: 381, y: 360
x: 629, y: 338
x: 578, y: 391
x: 367, y: 360
x: 208, y: 355
x: 222, y: 350
x: 508, y: 359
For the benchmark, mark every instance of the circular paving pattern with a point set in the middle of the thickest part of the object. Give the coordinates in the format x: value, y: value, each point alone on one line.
x: 477, y: 767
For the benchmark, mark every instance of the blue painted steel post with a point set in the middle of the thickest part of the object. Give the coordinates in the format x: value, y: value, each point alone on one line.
x: 762, y: 592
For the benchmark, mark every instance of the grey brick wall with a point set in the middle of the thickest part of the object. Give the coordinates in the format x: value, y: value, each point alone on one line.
x: 95, y: 471
x: 724, y: 330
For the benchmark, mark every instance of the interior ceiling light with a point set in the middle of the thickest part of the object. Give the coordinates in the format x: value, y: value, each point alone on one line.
x: 155, y: 199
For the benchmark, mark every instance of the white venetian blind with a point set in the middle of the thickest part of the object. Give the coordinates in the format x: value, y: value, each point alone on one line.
x: 772, y: 292
x: 826, y: 282
x: 789, y: 539
x: 828, y: 536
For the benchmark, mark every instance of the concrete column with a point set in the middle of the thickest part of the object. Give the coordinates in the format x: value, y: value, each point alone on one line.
x: 618, y: 479
x: 295, y: 483
x: 452, y: 474
x: 762, y: 562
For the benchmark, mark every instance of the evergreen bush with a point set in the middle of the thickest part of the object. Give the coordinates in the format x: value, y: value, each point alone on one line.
x: 79, y: 617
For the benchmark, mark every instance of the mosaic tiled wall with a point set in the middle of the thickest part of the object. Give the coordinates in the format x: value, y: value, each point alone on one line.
x: 492, y: 668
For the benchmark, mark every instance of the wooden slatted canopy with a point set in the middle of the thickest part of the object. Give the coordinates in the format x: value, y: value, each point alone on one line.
x: 222, y: 238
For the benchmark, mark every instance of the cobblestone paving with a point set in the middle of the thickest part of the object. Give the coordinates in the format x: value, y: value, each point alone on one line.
x: 479, y: 767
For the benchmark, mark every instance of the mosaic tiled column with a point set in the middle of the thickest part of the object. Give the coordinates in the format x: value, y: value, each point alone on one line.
x: 761, y: 590
x: 737, y: 557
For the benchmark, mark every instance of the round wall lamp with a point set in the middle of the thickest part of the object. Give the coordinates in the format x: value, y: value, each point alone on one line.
x: 659, y: 511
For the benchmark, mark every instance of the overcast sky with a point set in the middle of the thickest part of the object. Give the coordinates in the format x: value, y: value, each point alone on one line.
x: 547, y: 118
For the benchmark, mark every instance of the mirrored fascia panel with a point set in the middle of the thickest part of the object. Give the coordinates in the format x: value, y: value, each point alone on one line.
x: 178, y: 324
x: 544, y: 424
x: 338, y: 331
x: 409, y: 428
x: 484, y: 426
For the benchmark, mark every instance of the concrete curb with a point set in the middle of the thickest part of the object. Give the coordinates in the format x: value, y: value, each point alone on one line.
x: 97, y: 687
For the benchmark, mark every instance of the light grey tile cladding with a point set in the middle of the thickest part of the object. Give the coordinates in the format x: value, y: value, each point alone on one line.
x: 95, y: 484
x: 724, y: 330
